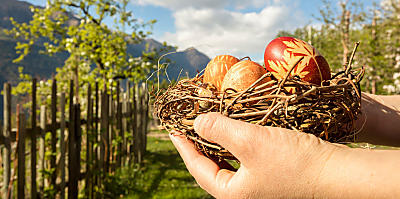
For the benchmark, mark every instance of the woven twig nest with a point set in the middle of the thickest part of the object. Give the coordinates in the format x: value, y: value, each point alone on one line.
x: 328, y: 111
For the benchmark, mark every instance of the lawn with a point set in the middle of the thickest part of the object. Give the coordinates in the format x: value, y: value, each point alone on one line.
x: 162, y: 175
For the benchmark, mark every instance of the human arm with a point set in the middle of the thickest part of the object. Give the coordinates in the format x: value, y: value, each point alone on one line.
x: 379, y: 122
x: 281, y: 163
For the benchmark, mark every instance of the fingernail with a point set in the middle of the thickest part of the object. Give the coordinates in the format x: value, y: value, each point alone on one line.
x: 176, y: 137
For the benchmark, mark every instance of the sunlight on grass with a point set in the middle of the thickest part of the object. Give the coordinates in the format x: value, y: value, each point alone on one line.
x: 162, y: 175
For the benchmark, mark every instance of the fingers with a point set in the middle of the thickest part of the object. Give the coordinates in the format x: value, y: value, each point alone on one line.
x: 207, y: 173
x: 237, y: 137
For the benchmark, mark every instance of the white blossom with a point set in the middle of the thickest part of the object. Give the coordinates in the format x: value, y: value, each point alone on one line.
x: 396, y: 75
x: 389, y: 88
x: 69, y: 40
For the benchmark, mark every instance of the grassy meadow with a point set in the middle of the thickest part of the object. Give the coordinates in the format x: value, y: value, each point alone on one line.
x: 162, y: 175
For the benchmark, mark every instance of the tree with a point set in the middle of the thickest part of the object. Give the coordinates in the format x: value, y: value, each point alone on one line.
x: 391, y: 13
x: 97, y: 51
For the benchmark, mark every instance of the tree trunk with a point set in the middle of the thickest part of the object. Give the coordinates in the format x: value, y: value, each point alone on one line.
x: 345, y: 29
x: 373, y: 89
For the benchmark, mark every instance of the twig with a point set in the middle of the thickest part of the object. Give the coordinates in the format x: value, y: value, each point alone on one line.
x: 348, y: 68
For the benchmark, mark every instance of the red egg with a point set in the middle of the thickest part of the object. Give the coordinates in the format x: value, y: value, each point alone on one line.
x: 217, y: 68
x: 282, y: 52
x: 242, y: 75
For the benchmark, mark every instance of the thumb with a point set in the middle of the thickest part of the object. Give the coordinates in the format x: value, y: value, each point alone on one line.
x: 236, y: 136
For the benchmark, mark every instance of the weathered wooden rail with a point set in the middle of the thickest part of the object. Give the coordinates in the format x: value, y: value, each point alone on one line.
x: 70, y: 147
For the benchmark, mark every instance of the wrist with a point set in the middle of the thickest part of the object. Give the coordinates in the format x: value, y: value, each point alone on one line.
x: 359, y: 173
x: 328, y: 161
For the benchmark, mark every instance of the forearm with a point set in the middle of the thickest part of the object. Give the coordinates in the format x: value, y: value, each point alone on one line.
x: 360, y: 173
x: 379, y: 122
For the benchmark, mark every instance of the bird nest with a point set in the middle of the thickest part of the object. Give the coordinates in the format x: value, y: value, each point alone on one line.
x: 327, y: 111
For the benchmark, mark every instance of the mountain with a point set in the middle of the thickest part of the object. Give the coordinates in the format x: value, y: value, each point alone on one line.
x: 190, y: 61
x: 19, y: 10
x: 42, y: 66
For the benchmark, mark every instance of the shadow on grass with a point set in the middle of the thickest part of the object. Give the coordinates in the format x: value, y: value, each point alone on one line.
x: 162, y: 175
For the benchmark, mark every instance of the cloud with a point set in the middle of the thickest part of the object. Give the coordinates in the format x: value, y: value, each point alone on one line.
x: 180, y: 4
x: 222, y: 31
x: 237, y: 27
x: 200, y: 4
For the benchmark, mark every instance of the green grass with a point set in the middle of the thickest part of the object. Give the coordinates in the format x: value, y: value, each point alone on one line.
x: 162, y: 175
x: 371, y: 146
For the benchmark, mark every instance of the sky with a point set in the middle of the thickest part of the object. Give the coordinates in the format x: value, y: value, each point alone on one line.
x: 236, y: 27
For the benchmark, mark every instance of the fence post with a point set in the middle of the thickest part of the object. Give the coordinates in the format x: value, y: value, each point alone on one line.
x: 96, y: 133
x: 74, y: 148
x: 132, y: 148
x: 139, y: 132
x: 134, y: 126
x: 89, y: 136
x: 21, y: 154
x: 62, y: 145
x: 33, y: 141
x: 125, y: 103
x: 145, y: 116
x: 6, y: 134
x: 128, y: 120
x: 42, y: 147
x: 104, y: 125
x: 111, y: 133
x: 72, y: 190
x: 120, y: 136
x: 53, y: 132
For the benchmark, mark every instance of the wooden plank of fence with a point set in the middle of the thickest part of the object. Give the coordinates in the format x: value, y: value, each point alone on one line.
x: 102, y: 130
x: 62, y: 145
x: 124, y: 126
x: 142, y: 118
x: 128, y: 118
x: 97, y: 134
x: 33, y: 141
x: 42, y: 148
x: 111, y: 132
x: 21, y: 154
x: 89, y: 151
x: 53, y: 132
x: 139, y: 111
x: 72, y: 188
x: 145, y: 98
x: 107, y: 133
x: 104, y: 126
x: 74, y: 143
x: 134, y: 125
x: 6, y: 134
x: 120, y: 136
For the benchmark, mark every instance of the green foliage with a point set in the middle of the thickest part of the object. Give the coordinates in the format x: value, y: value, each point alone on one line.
x: 97, y: 52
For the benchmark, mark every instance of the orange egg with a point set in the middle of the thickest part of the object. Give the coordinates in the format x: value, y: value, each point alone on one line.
x: 242, y: 75
x: 217, y: 68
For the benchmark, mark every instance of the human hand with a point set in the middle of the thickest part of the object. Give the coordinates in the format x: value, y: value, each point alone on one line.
x: 275, y: 162
x: 379, y: 120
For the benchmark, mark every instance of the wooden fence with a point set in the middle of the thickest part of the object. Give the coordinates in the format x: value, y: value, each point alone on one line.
x: 71, y: 153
